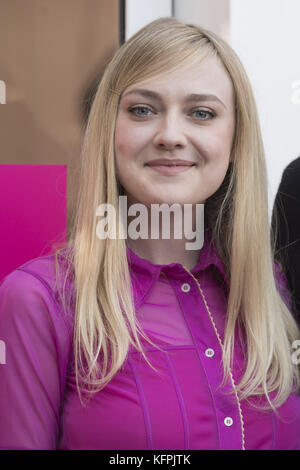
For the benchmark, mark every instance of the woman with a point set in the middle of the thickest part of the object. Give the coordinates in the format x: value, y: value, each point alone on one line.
x: 141, y: 343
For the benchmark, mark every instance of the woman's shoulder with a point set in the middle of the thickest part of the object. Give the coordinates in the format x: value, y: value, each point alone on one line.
x: 36, y: 286
x: 44, y: 266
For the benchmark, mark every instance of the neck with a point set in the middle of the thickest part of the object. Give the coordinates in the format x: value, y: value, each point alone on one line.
x: 165, y: 252
x: 166, y: 247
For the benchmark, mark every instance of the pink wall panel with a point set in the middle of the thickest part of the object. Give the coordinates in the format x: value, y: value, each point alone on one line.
x: 33, y: 212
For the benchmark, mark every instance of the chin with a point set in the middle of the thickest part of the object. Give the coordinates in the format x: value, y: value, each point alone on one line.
x: 166, y: 197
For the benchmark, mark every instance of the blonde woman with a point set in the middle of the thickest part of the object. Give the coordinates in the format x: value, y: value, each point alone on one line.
x: 141, y: 343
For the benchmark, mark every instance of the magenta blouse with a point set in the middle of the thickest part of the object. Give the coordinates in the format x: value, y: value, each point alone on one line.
x: 181, y: 406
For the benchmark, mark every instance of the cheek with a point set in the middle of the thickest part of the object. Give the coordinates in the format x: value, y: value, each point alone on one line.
x: 217, y: 143
x: 122, y: 149
x: 129, y: 140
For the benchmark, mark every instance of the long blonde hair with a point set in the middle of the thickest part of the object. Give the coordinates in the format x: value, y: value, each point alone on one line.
x: 105, y: 322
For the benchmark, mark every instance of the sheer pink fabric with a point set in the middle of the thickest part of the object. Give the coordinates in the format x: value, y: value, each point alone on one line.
x: 181, y: 406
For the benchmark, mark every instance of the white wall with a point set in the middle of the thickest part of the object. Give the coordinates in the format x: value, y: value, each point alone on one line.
x: 138, y: 13
x: 212, y: 14
x: 266, y: 36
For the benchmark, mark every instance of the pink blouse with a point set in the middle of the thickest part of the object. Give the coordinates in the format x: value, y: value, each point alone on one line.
x: 179, y: 406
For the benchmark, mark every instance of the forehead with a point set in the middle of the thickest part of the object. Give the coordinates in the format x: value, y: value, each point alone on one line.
x: 207, y: 76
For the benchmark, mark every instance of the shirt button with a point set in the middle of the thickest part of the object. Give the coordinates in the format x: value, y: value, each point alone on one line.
x: 228, y: 421
x: 185, y: 287
x: 209, y: 352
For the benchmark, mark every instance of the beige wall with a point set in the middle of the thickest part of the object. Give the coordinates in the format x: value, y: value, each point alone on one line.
x: 51, y: 51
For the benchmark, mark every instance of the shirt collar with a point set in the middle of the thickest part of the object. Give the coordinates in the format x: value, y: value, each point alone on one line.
x: 144, y: 274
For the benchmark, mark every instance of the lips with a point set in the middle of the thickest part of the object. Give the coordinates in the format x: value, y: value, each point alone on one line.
x: 170, y: 168
x: 169, y: 163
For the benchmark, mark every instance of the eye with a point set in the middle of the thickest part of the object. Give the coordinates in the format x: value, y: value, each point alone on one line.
x: 204, y: 114
x: 143, y: 108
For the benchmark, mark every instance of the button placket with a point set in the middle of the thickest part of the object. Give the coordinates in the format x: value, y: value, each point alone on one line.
x: 228, y: 421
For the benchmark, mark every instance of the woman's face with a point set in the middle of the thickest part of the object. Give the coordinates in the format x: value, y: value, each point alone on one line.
x: 188, y: 115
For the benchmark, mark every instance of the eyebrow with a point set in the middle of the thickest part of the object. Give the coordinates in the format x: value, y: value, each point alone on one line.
x: 188, y: 98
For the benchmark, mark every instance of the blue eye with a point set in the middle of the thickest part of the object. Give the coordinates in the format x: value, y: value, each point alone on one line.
x: 146, y: 112
x: 132, y: 110
x: 209, y: 113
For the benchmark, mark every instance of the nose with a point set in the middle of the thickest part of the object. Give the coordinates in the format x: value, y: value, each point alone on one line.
x: 170, y: 133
